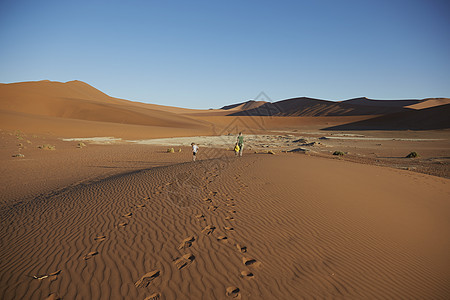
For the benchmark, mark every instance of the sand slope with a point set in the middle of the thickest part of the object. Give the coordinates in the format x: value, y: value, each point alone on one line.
x: 302, y: 226
x: 432, y: 102
x: 244, y: 105
x: 432, y: 118
x: 383, y: 103
x: 304, y: 106
x: 77, y: 100
x: 71, y: 108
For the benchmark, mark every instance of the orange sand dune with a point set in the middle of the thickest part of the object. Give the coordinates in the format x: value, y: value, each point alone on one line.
x: 427, y: 103
x: 259, y: 227
x: 251, y: 104
x: 77, y: 100
x: 65, y: 127
x: 77, y: 109
x: 70, y: 108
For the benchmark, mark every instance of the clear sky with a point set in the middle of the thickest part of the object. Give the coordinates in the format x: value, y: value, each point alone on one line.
x: 202, y: 54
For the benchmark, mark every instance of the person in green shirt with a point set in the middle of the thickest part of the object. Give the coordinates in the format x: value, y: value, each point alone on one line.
x: 240, y: 141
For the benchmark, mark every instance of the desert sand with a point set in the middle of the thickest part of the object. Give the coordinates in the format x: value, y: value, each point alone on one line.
x: 93, y: 206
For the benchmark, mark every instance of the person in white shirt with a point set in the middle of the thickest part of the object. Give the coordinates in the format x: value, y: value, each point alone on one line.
x: 194, y: 151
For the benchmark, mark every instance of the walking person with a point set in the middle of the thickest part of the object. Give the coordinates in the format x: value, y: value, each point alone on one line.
x: 240, y: 142
x: 194, y: 151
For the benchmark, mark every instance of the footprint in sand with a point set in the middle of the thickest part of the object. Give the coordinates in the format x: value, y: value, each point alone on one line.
x: 128, y: 215
x: 155, y: 296
x: 213, y: 207
x: 140, y: 205
x: 241, y: 249
x: 222, y: 238
x: 231, y: 205
x: 186, y: 243
x: 233, y: 292
x: 100, y: 238
x: 208, y: 229
x: 247, y: 275
x: 90, y: 255
x: 52, y: 276
x: 250, y: 262
x: 123, y: 224
x: 184, y: 261
x: 228, y: 228
x: 213, y: 193
x: 200, y: 217
x: 147, y: 278
x: 229, y: 218
x: 208, y: 200
x: 53, y: 296
x: 232, y: 211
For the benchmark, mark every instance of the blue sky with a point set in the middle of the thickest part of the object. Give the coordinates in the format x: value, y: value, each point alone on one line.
x: 202, y: 54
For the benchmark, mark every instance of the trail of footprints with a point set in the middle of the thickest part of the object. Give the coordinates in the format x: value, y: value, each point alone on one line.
x: 208, y: 230
x: 188, y: 258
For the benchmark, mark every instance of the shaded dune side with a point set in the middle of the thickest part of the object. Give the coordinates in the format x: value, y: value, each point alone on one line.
x: 436, y: 117
x: 384, y: 103
x: 297, y: 238
x: 304, y: 106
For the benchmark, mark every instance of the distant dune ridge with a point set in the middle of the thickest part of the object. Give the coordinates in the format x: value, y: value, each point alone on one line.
x: 426, y: 114
x: 304, y: 106
x: 75, y: 106
x: 430, y: 118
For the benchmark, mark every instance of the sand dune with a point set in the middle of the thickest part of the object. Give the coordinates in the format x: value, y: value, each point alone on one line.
x: 314, y: 107
x: 67, y: 127
x: 432, y: 118
x: 283, y: 227
x: 301, y: 107
x: 77, y: 100
x: 69, y: 109
x: 383, y: 103
x: 427, y: 103
x: 244, y: 105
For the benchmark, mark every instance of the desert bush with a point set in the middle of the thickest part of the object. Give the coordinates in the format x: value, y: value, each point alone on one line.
x: 338, y: 153
x: 81, y: 145
x: 270, y: 152
x: 170, y: 150
x: 412, y: 155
